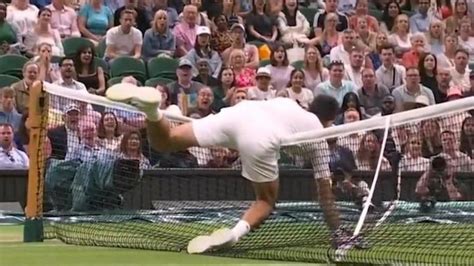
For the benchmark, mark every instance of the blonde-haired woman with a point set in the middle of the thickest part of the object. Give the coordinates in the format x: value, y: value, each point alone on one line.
x: 400, y: 36
x: 461, y: 12
x: 47, y: 70
x: 451, y: 44
x: 413, y: 160
x: 23, y: 15
x: 313, y: 68
x: 435, y: 37
x: 44, y: 33
x: 244, y: 76
x: 159, y: 40
x: 329, y: 37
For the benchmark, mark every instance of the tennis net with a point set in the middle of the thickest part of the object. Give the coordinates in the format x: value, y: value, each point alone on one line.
x: 94, y: 154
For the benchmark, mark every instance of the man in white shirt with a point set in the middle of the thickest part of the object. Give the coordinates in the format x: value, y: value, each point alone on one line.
x: 63, y: 19
x: 341, y: 52
x: 125, y: 39
x: 353, y: 71
x: 11, y: 157
x: 390, y: 74
x: 67, y: 81
x: 460, y: 73
x: 263, y: 90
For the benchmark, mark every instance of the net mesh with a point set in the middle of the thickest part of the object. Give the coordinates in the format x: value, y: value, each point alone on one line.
x: 105, y: 186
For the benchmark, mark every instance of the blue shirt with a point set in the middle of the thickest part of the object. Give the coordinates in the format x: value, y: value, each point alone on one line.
x: 338, y: 93
x: 419, y: 23
x: 97, y: 22
x: 155, y: 43
x: 13, y: 118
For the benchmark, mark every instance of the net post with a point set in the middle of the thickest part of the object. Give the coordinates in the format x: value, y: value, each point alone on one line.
x: 33, y: 228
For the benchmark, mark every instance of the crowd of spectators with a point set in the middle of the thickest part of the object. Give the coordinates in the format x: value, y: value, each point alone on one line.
x: 413, y: 54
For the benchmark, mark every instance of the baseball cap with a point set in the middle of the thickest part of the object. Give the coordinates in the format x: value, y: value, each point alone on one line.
x: 422, y: 99
x: 237, y: 25
x: 471, y: 74
x: 263, y: 72
x: 389, y: 98
x: 185, y: 62
x: 203, y: 30
x: 454, y: 91
x: 71, y: 107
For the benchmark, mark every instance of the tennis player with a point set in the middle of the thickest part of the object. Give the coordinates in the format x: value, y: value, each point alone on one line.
x: 255, y: 129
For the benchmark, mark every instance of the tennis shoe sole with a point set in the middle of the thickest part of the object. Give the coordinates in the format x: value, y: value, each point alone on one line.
x: 219, y: 239
x: 140, y: 97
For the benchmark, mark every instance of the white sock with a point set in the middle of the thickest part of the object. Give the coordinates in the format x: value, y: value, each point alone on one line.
x: 240, y: 229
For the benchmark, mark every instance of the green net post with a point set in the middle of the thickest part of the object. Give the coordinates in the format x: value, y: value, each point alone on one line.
x: 33, y: 230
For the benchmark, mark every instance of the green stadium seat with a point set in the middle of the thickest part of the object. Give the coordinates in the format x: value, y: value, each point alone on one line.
x: 264, y: 62
x: 73, y: 44
x: 12, y: 65
x: 100, y: 49
x: 128, y: 66
x: 7, y: 80
x: 155, y: 81
x: 298, y: 64
x: 309, y: 13
x: 162, y: 67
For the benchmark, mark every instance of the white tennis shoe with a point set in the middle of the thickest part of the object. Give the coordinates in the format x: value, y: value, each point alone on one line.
x: 145, y: 99
x: 219, y: 239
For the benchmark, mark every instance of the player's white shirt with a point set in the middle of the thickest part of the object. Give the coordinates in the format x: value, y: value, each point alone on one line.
x: 256, y: 129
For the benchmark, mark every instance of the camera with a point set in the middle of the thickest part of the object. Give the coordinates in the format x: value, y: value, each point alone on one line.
x: 435, y: 184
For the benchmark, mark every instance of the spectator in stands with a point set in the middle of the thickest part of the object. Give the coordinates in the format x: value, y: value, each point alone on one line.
x: 412, y: 161
x: 446, y: 59
x: 329, y: 38
x: 263, y: 90
x: 230, y: 11
x: 336, y: 86
x: 279, y: 67
x: 205, y: 97
x: 142, y: 22
x: 238, y: 43
x: 159, y: 40
x: 367, y: 38
x: 67, y: 76
x: 371, y: 94
x: 22, y: 15
x: 390, y: 13
x: 350, y: 101
x: 63, y: 19
x: 22, y: 138
x: 238, y: 96
x: 400, y: 36
x: 293, y: 25
x: 64, y: 138
x: 460, y: 13
x: 184, y: 90
x: 465, y: 39
x: 454, y: 93
x: 467, y: 137
x: 470, y: 92
x: 10, y: 39
x: 261, y: 25
x: 444, y: 9
x: 109, y: 132
x: 30, y: 74
x: 368, y: 154
x: 124, y: 40
x: 11, y: 157
x: 320, y: 17
x: 166, y: 100
x: 313, y: 68
x: 130, y: 149
x: 202, y: 50
x: 343, y: 50
x: 421, y: 20
x: 388, y: 106
x: 221, y: 38
x: 443, y: 83
x: 8, y: 112
x: 223, y: 93
x: 48, y: 71
x: 89, y: 148
x: 204, y: 73
x: 362, y: 13
x: 374, y: 56
x: 353, y: 71
x: 88, y: 72
x: 412, y: 57
x: 186, y: 30
x: 460, y: 161
x: 435, y: 37
x: 171, y: 13
x: 427, y: 66
x: 202, y: 18
x: 431, y: 137
x: 94, y: 20
x: 220, y: 158
x: 244, y: 76
x: 411, y: 90
x: 296, y: 90
x: 43, y: 33
x: 390, y: 74
x: 460, y: 72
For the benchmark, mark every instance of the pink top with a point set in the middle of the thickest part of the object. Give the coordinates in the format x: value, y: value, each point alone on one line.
x: 64, y: 21
x: 185, y: 35
x: 245, y: 78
